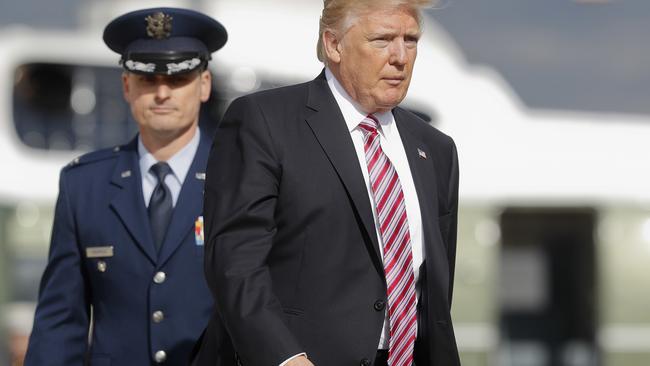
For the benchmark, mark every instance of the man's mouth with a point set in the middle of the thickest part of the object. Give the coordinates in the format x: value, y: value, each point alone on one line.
x: 394, y: 81
x: 162, y: 110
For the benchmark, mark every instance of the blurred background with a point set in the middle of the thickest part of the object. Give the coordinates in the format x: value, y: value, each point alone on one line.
x: 549, y: 105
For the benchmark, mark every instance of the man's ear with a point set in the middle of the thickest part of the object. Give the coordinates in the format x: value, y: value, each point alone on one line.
x: 206, y: 85
x: 125, y: 86
x: 332, y: 47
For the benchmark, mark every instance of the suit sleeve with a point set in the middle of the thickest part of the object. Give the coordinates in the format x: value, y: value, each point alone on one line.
x: 453, y: 227
x: 241, y: 191
x: 60, y: 332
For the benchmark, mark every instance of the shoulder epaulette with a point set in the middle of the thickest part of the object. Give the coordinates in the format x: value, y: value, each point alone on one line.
x: 94, y: 156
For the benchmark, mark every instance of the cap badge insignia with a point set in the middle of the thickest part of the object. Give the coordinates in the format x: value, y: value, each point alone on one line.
x: 159, y: 25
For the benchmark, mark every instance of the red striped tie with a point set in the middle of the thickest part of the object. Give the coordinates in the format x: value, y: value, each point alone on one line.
x: 398, y: 261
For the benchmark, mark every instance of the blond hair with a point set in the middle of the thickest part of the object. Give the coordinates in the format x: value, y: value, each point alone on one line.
x: 336, y: 13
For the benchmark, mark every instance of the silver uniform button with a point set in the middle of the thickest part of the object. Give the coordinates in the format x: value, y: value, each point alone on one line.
x: 101, y: 266
x: 160, y: 356
x: 157, y: 316
x: 160, y: 277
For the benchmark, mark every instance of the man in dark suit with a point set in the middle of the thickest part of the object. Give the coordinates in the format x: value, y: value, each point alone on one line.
x: 123, y: 284
x: 331, y: 212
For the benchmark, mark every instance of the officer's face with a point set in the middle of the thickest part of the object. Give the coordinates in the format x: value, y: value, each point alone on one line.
x: 166, y: 107
x: 374, y: 58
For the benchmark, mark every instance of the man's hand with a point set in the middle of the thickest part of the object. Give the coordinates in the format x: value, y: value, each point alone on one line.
x: 299, y: 361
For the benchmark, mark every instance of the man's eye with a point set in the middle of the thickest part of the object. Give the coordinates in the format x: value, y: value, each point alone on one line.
x: 380, y: 42
x: 179, y: 80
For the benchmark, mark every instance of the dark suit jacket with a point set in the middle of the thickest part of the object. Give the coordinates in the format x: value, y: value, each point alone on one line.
x: 292, y: 255
x: 100, y: 204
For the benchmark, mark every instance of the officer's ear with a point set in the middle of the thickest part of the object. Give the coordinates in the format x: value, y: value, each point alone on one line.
x: 125, y: 86
x: 206, y: 84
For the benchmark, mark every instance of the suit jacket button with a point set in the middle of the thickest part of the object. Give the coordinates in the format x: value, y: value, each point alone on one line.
x: 380, y: 305
x: 157, y: 316
x: 160, y: 357
x: 364, y: 362
x: 160, y: 277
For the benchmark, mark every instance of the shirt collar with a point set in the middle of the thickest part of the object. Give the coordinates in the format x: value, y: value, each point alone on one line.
x: 352, y: 112
x: 179, y: 163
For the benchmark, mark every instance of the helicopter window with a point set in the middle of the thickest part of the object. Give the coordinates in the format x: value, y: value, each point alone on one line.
x: 74, y: 107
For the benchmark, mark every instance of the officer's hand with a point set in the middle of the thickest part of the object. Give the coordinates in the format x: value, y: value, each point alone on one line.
x: 300, y: 361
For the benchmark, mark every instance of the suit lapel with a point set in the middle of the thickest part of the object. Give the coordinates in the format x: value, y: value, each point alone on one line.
x: 128, y: 202
x: 189, y: 204
x: 421, y: 165
x: 421, y: 162
x: 332, y: 133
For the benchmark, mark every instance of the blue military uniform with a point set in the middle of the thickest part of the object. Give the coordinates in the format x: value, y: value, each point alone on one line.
x: 140, y: 304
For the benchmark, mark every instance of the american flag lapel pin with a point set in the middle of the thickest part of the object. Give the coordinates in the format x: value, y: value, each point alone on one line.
x: 422, y: 154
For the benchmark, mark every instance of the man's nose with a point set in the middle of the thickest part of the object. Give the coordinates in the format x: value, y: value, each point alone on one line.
x: 163, y: 91
x: 398, y: 52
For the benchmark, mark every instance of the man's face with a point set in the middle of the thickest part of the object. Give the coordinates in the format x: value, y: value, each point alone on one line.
x: 374, y: 59
x: 166, y: 106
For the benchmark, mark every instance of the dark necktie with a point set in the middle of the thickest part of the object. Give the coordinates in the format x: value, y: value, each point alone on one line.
x: 398, y: 260
x: 160, y: 205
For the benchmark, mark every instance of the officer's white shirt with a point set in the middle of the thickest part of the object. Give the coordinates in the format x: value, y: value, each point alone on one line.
x: 391, y: 143
x: 179, y: 163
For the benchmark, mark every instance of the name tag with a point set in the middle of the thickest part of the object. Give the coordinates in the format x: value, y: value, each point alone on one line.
x: 99, y: 252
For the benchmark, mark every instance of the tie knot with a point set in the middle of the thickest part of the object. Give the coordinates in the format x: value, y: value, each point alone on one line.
x: 370, y: 124
x: 160, y: 170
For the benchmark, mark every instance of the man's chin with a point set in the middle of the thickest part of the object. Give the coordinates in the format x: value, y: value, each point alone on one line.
x: 170, y: 129
x: 164, y: 124
x: 392, y: 96
x: 164, y: 131
x: 389, y: 103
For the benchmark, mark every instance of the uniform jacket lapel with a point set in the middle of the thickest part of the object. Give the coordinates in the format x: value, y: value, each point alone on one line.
x: 128, y: 202
x: 189, y: 205
x: 332, y: 133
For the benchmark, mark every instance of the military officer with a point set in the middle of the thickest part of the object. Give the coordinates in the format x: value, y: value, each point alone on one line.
x: 124, y: 281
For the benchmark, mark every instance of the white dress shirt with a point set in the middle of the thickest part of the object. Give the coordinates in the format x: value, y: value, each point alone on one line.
x: 391, y: 144
x: 179, y: 163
